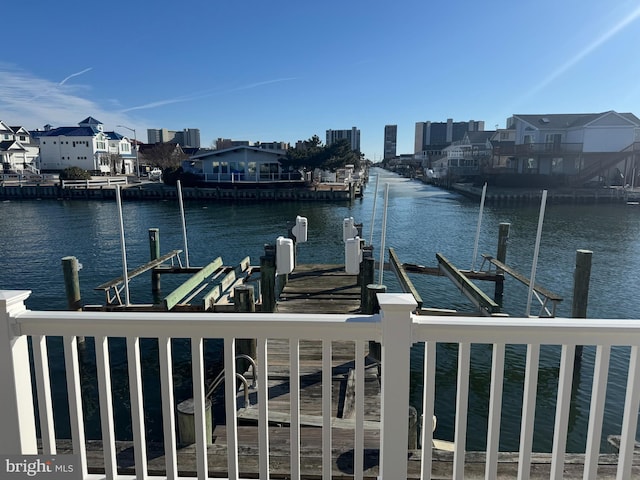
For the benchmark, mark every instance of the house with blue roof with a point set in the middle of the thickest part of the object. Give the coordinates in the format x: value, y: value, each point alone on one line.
x: 86, y: 146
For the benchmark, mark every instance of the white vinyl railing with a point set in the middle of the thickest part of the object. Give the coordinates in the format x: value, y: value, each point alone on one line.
x: 95, y: 182
x: 396, y: 328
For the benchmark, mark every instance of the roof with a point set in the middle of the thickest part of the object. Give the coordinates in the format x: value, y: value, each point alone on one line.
x: 90, y: 121
x: 8, y: 144
x: 570, y: 120
x: 208, y: 153
x: 70, y: 132
x: 113, y: 135
x: 480, y: 137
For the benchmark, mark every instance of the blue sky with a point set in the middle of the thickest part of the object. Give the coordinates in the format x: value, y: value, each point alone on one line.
x: 287, y: 70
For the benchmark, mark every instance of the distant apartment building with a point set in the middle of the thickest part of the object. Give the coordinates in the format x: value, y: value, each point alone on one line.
x: 352, y: 136
x: 225, y: 143
x: 390, y: 141
x: 432, y: 137
x: 189, y: 137
x: 272, y: 145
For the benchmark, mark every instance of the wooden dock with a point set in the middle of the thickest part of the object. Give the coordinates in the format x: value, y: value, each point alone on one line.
x: 323, y: 289
x: 320, y: 289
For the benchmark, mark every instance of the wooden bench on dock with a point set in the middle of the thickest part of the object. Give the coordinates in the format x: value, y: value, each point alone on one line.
x: 537, y: 289
x: 220, y: 282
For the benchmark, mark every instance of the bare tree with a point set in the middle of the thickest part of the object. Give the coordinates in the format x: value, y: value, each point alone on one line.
x: 164, y: 155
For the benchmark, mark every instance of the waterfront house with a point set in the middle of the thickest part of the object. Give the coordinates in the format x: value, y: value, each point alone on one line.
x: 122, y: 155
x: 19, y: 152
x: 566, y: 149
x: 85, y: 146
x: 240, y: 165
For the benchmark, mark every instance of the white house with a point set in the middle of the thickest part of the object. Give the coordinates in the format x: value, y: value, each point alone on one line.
x: 120, y: 148
x: 18, y: 151
x: 579, y: 145
x: 240, y: 164
x: 85, y: 146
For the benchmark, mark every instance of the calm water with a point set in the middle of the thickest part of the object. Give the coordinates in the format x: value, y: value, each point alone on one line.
x: 422, y: 220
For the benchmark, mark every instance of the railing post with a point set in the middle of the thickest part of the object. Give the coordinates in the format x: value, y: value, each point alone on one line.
x: 396, y: 342
x: 18, y: 435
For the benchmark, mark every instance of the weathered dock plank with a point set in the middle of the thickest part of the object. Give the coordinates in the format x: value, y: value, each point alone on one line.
x: 320, y: 288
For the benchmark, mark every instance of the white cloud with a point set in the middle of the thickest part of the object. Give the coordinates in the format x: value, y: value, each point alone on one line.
x: 33, y: 102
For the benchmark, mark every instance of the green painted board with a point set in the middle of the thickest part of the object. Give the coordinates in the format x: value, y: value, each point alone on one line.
x: 183, y: 290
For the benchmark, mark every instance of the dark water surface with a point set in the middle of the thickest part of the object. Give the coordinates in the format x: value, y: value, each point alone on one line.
x: 422, y: 221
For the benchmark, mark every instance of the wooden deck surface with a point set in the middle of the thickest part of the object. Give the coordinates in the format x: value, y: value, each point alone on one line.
x: 320, y: 289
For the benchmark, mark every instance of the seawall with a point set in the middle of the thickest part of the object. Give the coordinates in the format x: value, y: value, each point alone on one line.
x: 162, y: 192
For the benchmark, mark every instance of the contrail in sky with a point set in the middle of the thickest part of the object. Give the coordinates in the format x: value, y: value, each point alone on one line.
x: 74, y: 75
x: 587, y: 50
x: 196, y: 96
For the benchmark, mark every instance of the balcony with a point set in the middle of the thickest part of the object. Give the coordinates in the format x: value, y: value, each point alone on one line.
x: 539, y: 149
x: 396, y: 328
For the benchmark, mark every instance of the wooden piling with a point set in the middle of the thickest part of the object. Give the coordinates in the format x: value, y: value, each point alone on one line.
x: 370, y: 307
x: 581, y: 277
x: 154, y: 251
x: 268, y: 279
x: 70, y: 268
x: 243, y: 301
x: 501, y: 255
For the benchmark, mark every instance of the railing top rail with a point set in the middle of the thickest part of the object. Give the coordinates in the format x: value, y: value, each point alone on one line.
x: 196, y: 324
x: 543, y: 331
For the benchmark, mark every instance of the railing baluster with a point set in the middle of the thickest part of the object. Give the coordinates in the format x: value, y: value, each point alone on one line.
x: 563, y: 404
x: 495, y: 411
x: 197, y: 372
x: 428, y: 395
x: 137, y: 406
x: 45, y: 407
x: 230, y: 406
x: 462, y: 405
x: 294, y: 396
x: 630, y: 418
x: 263, y: 407
x: 106, y: 407
x: 528, y: 411
x: 358, y: 451
x: 168, y: 412
x: 76, y: 417
x: 596, y: 410
x: 327, y: 380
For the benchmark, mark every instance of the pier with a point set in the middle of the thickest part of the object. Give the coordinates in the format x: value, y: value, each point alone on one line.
x: 317, y: 381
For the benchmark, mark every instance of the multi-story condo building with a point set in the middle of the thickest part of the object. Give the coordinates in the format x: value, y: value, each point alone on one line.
x: 188, y: 137
x: 390, y: 141
x: 86, y: 146
x: 352, y: 136
x: 432, y: 137
x: 225, y: 143
x: 18, y: 150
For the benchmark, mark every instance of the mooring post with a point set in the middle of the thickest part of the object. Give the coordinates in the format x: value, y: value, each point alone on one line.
x: 363, y: 276
x: 70, y: 268
x: 501, y: 256
x: 154, y: 251
x: 412, y: 440
x: 268, y: 279
x: 370, y: 307
x: 243, y: 302
x: 581, y: 277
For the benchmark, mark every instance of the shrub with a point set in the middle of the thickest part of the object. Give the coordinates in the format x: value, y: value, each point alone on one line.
x: 75, y: 173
